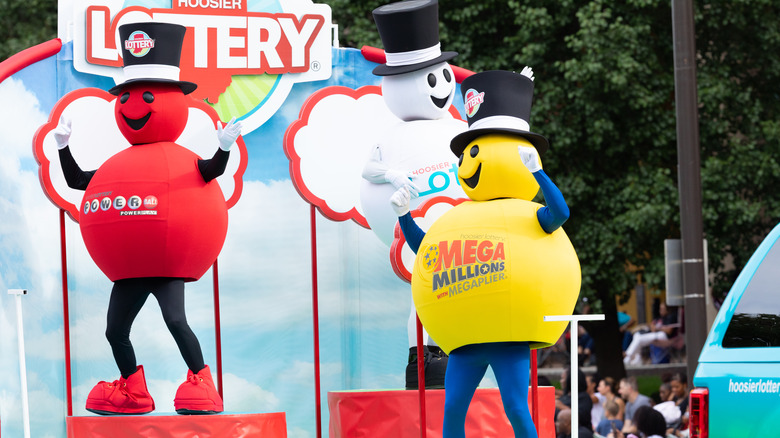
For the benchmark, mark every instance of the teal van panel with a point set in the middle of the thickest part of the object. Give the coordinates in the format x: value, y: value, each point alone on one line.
x: 744, y: 398
x: 743, y: 378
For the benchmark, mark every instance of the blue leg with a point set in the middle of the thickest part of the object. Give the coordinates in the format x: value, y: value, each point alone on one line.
x: 511, y: 362
x: 465, y: 370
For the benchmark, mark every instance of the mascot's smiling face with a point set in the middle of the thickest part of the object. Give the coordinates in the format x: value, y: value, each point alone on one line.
x: 150, y: 112
x: 422, y: 94
x: 490, y: 168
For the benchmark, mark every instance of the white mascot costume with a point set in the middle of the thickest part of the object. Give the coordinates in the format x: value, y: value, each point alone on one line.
x: 418, y: 86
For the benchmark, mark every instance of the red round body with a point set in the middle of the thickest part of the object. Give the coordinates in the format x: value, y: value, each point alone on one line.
x: 148, y: 213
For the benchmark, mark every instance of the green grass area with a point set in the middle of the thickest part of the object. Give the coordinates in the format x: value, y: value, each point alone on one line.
x: 648, y: 384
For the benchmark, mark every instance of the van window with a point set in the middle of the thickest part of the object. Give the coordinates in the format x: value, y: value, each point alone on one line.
x: 756, y: 320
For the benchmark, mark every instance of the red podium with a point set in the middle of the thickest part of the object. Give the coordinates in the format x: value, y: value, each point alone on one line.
x: 273, y: 425
x: 396, y: 414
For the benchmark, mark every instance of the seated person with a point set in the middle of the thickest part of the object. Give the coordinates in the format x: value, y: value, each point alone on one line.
x: 609, y: 389
x: 629, y: 390
x: 649, y: 424
x: 585, y: 405
x: 625, y: 321
x: 597, y: 412
x: 663, y: 328
x: 563, y: 426
x: 611, y: 422
x: 679, y: 386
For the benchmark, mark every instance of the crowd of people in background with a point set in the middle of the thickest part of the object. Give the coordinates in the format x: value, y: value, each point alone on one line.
x: 609, y: 411
x: 608, y: 408
x: 654, y: 342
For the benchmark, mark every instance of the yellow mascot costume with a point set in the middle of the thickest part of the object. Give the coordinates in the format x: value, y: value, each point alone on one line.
x: 489, y: 270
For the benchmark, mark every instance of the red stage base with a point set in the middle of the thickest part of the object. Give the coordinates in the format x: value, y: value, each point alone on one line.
x: 396, y: 414
x: 271, y: 425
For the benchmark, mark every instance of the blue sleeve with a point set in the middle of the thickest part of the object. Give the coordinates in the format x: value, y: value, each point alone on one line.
x: 413, y: 233
x: 552, y: 216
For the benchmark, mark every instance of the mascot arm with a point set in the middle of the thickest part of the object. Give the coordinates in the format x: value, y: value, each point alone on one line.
x: 374, y: 171
x: 210, y: 169
x: 556, y: 212
x: 74, y: 176
x: 412, y: 232
x: 378, y: 172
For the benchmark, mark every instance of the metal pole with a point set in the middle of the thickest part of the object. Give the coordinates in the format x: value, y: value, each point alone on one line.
x: 66, y: 314
x: 421, y: 379
x: 689, y: 175
x: 535, y: 388
x: 315, y: 321
x: 574, y: 380
x: 217, y: 329
x: 22, y: 365
x: 574, y: 377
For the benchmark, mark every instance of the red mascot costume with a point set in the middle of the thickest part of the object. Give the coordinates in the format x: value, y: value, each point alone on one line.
x: 152, y: 217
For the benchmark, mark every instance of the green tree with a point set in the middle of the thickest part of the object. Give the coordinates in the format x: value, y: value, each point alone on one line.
x: 25, y: 23
x: 605, y: 98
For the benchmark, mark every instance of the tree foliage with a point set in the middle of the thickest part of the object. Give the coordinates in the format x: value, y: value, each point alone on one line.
x: 25, y: 23
x: 605, y: 97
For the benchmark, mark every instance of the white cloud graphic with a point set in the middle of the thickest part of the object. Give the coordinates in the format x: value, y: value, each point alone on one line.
x: 242, y: 395
x: 301, y: 371
x: 334, y: 143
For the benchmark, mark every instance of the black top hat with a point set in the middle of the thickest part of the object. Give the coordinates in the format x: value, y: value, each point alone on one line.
x: 497, y: 102
x: 151, y: 53
x: 410, y: 33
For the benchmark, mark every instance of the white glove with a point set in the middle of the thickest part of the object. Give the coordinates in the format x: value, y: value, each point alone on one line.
x: 530, y: 158
x: 400, y: 201
x: 528, y: 72
x: 62, y: 133
x: 228, y: 135
x: 401, y: 179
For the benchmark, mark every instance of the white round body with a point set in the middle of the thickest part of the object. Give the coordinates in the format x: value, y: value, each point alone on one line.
x: 421, y: 147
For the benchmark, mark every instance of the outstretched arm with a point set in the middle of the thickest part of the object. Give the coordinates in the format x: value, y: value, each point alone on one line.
x: 552, y: 216
x: 412, y: 232
x: 215, y: 166
x: 556, y: 212
x: 74, y: 176
x: 378, y: 172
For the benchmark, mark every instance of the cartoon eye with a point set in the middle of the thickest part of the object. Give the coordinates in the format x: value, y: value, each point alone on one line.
x: 123, y: 98
x: 474, y: 151
x: 431, y: 80
x: 447, y: 75
x: 460, y: 160
x: 148, y: 97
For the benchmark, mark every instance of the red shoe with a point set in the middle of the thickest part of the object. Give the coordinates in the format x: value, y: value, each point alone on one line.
x: 198, y: 395
x: 123, y: 396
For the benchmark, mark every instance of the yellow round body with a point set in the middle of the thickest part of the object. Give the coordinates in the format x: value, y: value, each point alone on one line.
x: 487, y: 272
